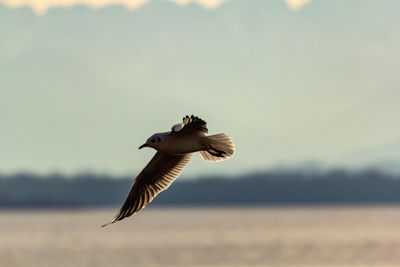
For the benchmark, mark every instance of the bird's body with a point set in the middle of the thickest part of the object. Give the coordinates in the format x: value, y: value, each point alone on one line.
x: 174, y: 151
x: 182, y: 143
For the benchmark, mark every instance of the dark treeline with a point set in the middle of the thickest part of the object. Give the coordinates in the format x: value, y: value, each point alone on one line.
x: 275, y: 187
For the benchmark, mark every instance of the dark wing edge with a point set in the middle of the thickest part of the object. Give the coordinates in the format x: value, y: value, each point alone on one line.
x: 157, y: 176
x: 194, y: 123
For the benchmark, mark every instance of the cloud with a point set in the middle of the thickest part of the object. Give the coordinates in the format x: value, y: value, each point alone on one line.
x: 204, y: 3
x: 40, y: 7
x: 296, y: 4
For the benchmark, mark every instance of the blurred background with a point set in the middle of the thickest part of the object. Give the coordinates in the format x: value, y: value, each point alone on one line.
x: 308, y: 90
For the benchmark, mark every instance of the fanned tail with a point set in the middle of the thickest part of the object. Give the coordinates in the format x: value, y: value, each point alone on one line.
x: 217, y: 148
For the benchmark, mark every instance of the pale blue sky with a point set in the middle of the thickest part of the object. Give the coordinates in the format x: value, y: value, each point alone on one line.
x: 82, y: 88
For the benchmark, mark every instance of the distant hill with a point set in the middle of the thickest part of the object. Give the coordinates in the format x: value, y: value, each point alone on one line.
x: 268, y: 188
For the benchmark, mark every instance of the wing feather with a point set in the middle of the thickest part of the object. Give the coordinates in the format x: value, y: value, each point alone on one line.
x: 190, y: 124
x: 157, y: 176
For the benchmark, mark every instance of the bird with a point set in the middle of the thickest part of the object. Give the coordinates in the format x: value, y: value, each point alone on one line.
x: 174, y: 151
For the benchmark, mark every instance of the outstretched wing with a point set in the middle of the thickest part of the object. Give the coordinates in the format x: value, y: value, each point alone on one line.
x: 190, y: 124
x: 157, y: 176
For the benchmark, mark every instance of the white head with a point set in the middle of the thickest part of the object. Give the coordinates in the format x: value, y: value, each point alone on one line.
x: 154, y: 141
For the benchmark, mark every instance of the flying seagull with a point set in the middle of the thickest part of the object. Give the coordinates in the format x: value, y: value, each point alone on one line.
x: 174, y: 151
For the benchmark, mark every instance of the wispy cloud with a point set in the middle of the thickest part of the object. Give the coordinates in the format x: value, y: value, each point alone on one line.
x: 204, y: 3
x: 42, y: 6
x: 296, y: 4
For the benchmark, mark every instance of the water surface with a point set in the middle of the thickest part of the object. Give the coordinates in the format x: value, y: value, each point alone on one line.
x: 284, y: 236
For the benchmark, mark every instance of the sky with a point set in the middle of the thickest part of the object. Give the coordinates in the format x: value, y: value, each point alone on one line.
x: 83, y: 83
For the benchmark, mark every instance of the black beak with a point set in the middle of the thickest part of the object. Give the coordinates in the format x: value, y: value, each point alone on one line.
x: 142, y: 146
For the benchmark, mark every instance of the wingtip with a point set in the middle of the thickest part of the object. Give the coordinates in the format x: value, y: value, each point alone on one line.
x: 104, y: 225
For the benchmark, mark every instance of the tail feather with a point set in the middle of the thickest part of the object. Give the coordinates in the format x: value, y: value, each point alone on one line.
x: 218, y: 147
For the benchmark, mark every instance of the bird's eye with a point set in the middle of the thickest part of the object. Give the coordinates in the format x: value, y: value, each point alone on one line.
x: 158, y: 139
x: 152, y: 141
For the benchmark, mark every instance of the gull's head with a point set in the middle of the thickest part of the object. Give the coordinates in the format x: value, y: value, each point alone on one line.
x: 154, y: 141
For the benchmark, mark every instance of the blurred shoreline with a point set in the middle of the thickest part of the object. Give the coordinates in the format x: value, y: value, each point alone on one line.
x: 270, y: 188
